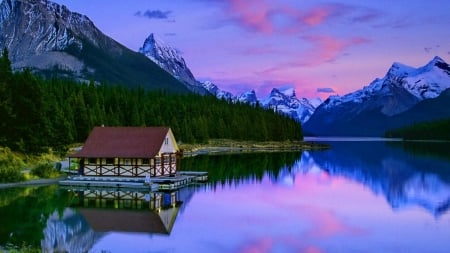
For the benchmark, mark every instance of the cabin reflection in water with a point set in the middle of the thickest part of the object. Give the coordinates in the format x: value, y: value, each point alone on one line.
x: 128, y: 211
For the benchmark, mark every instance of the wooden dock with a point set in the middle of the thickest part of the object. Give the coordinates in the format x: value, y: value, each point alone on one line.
x: 181, y: 179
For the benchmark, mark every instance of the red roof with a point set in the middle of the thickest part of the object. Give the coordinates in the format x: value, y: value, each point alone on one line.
x: 106, y: 220
x: 123, y: 142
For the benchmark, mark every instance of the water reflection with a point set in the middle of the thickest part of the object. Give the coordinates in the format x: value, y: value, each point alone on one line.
x: 95, y: 213
x: 242, y: 168
x: 404, y: 178
x: 354, y: 197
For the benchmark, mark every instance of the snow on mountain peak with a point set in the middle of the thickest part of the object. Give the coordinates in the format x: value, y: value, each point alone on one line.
x: 218, y: 93
x: 399, y: 70
x: 423, y: 82
x: 248, y: 97
x: 158, y: 51
x: 284, y: 100
x: 430, y: 80
x: 171, y: 61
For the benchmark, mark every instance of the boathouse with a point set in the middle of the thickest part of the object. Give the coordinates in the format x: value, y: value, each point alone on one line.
x: 128, y: 152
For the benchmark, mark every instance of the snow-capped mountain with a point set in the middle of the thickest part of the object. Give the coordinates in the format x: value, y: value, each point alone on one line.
x: 50, y: 39
x: 171, y: 61
x: 282, y: 100
x: 217, y: 92
x: 286, y: 101
x: 248, y: 97
x: 422, y: 83
x: 365, y: 111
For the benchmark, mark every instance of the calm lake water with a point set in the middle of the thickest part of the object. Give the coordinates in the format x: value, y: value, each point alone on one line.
x: 358, y: 196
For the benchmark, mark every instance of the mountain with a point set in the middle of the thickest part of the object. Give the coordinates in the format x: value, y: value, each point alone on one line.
x: 171, y: 61
x: 51, y: 40
x: 426, y: 110
x: 217, y: 92
x: 377, y: 107
x: 285, y: 101
x: 248, y: 97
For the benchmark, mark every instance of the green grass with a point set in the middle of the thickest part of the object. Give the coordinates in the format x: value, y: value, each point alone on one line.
x: 16, y: 167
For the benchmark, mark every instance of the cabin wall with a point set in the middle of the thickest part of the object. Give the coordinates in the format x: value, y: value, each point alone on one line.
x: 164, y: 165
x: 169, y: 144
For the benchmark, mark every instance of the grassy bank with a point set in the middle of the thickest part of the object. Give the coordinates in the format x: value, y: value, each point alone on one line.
x: 18, y: 167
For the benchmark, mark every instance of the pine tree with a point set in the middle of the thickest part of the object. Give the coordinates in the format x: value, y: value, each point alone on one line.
x: 5, y: 98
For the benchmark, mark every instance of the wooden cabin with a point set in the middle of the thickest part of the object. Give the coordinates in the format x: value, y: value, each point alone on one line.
x: 125, y: 211
x: 128, y: 152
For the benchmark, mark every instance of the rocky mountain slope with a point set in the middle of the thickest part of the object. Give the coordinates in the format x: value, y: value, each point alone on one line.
x: 171, y: 61
x: 50, y: 39
x: 286, y: 101
x: 377, y: 107
x: 283, y: 101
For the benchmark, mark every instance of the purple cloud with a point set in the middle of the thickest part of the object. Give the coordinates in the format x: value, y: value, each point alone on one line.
x: 326, y: 90
x: 154, y: 14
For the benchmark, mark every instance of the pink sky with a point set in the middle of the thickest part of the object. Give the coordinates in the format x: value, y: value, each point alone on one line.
x: 314, y: 46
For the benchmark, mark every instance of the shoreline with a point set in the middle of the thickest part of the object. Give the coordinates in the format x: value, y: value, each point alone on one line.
x: 213, y: 147
x: 216, y: 147
x: 34, y: 182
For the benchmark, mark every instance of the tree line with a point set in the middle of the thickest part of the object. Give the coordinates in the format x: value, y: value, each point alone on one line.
x: 38, y: 114
x: 430, y: 130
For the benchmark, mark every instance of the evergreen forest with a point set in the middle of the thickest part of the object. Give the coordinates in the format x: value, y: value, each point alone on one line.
x: 430, y: 130
x: 40, y: 114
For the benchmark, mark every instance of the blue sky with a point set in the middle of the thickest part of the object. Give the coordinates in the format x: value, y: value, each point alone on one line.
x: 318, y: 47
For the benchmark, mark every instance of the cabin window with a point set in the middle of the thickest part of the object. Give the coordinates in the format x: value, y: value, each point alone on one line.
x: 145, y: 161
x: 166, y: 141
x: 158, y: 161
x: 92, y: 160
x: 127, y: 161
x: 109, y: 161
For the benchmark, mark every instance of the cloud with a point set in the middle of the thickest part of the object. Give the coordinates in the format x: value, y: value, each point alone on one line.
x: 325, y: 90
x: 327, y: 48
x: 266, y: 17
x: 154, y: 14
x: 324, y: 49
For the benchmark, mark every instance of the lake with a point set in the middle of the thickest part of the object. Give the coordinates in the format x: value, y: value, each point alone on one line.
x: 358, y: 196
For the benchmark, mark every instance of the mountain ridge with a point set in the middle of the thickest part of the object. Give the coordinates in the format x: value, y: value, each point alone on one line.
x: 371, y: 110
x: 51, y: 40
x: 170, y: 59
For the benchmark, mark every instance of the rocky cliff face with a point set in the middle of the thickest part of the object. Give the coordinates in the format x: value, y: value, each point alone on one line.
x: 286, y: 102
x: 171, y: 61
x: 48, y: 38
x: 37, y: 33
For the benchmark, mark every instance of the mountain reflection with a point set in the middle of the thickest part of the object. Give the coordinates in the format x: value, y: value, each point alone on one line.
x: 404, y: 178
x: 236, y: 169
x: 406, y: 175
x: 94, y: 213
